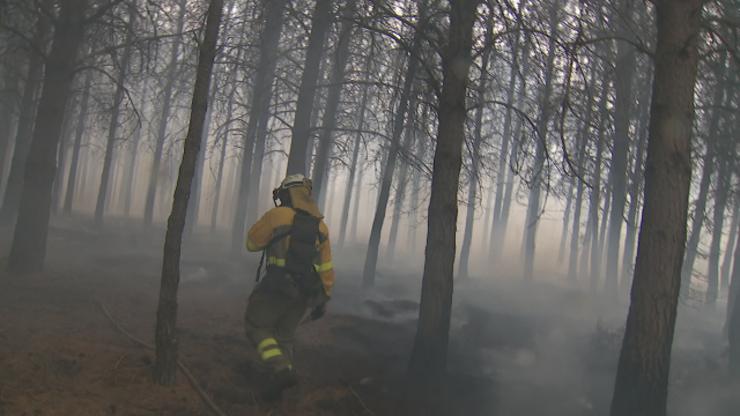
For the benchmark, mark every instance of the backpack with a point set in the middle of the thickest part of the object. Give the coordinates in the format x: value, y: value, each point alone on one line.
x: 302, y: 252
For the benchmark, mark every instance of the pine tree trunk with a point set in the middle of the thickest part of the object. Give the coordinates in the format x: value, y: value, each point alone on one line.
x: 9, y: 89
x: 336, y: 81
x: 371, y: 258
x: 636, y: 184
x: 720, y: 203
x: 28, y: 249
x: 428, y: 360
x: 731, y: 241
x: 708, y: 170
x: 166, y: 109
x: 105, y: 176
x: 77, y: 146
x: 259, y: 105
x: 505, y: 176
x: 733, y: 315
x: 222, y: 158
x: 307, y: 91
x: 408, y: 142
x: 349, y: 189
x: 463, y: 271
x: 624, y: 74
x: 26, y: 118
x: 592, y: 229
x: 641, y: 386
x: 165, y: 365
x: 192, y: 219
x: 130, y: 172
x: 543, y: 119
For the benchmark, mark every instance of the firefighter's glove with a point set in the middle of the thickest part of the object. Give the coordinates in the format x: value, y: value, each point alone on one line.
x: 318, y: 312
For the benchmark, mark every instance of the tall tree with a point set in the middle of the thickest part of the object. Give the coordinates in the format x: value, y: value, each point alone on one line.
x: 543, y: 119
x: 320, y: 23
x: 641, y: 386
x: 399, y: 118
x: 26, y: 118
x: 329, y: 122
x: 624, y: 96
x: 118, y: 96
x: 733, y: 315
x: 164, y: 115
x: 429, y: 355
x: 475, y: 157
x: 82, y: 116
x: 260, y: 103
x: 28, y: 249
x: 165, y: 366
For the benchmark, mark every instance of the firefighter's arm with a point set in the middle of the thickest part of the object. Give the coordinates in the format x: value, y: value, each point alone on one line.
x: 326, y: 267
x: 260, y: 234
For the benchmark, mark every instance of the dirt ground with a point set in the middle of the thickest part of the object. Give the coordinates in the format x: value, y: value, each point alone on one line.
x: 513, y: 350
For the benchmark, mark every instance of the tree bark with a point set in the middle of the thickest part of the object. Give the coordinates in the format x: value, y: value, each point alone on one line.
x: 641, y: 386
x: 259, y: 104
x: 708, y: 170
x: 28, y: 249
x: 731, y: 241
x: 429, y: 355
x: 371, y: 258
x: 349, y: 189
x: 307, y: 91
x: 623, y: 77
x: 26, y: 118
x: 166, y: 109
x: 165, y: 365
x: 733, y: 315
x: 463, y: 271
x: 103, y: 189
x: 543, y: 119
x: 329, y: 122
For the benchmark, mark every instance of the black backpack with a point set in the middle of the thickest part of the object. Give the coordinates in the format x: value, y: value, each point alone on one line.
x: 302, y: 252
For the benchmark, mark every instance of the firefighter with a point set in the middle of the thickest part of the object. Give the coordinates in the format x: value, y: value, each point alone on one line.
x: 300, y: 275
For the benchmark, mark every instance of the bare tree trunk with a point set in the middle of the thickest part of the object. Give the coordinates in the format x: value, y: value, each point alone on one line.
x: 731, y: 241
x: 28, y: 250
x: 428, y: 360
x: 566, y: 219
x: 166, y: 109
x: 624, y: 74
x: 582, y: 142
x: 222, y: 158
x: 641, y: 386
x: 304, y: 106
x: 592, y: 229
x: 543, y: 119
x: 103, y: 190
x: 69, y: 193
x: 9, y: 90
x: 26, y: 118
x: 129, y: 173
x: 733, y: 314
x: 349, y: 189
x: 259, y: 105
x: 192, y: 219
x: 408, y: 142
x: 708, y: 169
x: 636, y: 183
x: 720, y: 203
x: 505, y: 176
x: 371, y: 258
x: 165, y: 365
x: 463, y: 271
x: 329, y: 122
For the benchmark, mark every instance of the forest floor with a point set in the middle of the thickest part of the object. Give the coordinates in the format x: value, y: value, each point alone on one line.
x: 515, y: 349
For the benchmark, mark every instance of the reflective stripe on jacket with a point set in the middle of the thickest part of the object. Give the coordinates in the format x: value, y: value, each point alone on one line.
x: 278, y: 221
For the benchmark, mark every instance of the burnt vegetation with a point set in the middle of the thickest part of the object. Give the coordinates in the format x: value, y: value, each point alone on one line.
x: 534, y: 207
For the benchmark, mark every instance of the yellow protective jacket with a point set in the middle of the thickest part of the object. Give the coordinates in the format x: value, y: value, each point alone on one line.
x: 278, y: 221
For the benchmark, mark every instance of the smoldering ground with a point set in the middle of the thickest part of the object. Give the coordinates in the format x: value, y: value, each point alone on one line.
x: 540, y: 348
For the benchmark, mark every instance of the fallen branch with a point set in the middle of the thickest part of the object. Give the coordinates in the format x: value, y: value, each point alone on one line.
x: 359, y: 399
x: 193, y: 382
